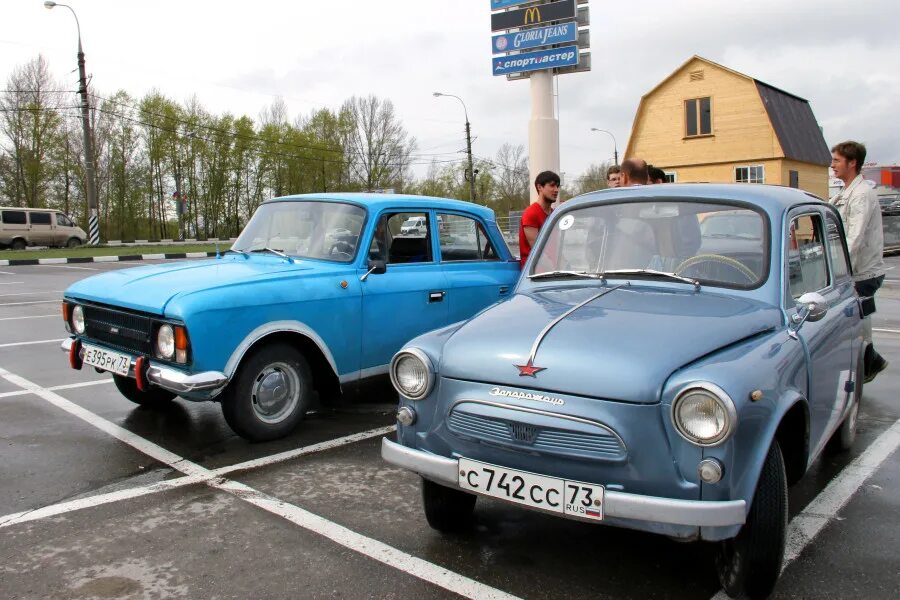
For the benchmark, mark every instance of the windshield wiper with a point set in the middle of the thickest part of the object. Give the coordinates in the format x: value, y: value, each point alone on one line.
x: 654, y: 273
x: 235, y: 250
x: 552, y: 274
x: 275, y: 252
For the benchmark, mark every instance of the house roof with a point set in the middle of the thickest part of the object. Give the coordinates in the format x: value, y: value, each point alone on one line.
x: 791, y: 117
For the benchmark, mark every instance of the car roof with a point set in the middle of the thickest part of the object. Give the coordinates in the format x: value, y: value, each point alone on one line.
x: 50, y: 210
x: 377, y: 202
x: 774, y: 199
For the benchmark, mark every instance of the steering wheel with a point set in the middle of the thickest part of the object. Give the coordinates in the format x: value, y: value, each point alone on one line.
x: 342, y: 249
x: 700, y: 259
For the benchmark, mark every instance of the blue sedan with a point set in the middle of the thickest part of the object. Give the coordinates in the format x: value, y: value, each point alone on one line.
x: 672, y: 359
x: 316, y: 296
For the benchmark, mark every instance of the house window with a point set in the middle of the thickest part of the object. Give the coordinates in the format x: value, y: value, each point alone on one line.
x: 671, y: 176
x: 750, y: 174
x: 698, y: 116
x: 794, y: 177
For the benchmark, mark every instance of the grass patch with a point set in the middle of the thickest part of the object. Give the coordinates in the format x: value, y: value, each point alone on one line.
x: 85, y: 251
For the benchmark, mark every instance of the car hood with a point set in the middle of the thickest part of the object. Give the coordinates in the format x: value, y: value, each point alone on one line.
x: 621, y: 346
x: 150, y: 288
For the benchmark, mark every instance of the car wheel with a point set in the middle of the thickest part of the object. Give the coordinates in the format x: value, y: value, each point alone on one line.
x: 73, y: 243
x: 843, y: 438
x: 155, y: 396
x: 446, y: 509
x: 18, y: 244
x: 749, y: 564
x: 270, y: 393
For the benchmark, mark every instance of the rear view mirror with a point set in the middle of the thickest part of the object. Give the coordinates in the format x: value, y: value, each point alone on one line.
x: 811, y: 307
x: 375, y: 266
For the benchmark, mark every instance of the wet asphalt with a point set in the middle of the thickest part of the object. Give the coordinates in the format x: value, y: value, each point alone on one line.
x: 333, y: 512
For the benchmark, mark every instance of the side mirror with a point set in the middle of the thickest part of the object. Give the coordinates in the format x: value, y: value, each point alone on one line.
x: 375, y: 266
x: 811, y: 307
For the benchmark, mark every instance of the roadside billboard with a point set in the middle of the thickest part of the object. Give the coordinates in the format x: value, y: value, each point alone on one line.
x: 565, y: 56
x: 534, y: 38
x: 564, y: 10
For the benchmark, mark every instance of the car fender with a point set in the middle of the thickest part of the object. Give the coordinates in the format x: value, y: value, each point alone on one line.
x: 277, y: 327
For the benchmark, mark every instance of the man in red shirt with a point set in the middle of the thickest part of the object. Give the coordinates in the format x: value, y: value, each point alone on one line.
x: 547, y: 185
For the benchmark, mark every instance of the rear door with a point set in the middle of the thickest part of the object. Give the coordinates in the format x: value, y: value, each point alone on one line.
x: 13, y: 224
x: 41, y: 230
x: 409, y: 298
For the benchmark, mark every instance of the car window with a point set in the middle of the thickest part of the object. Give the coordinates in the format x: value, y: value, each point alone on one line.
x: 64, y: 221
x: 807, y: 268
x: 13, y: 217
x: 38, y: 218
x: 308, y: 229
x: 839, y: 262
x: 716, y: 244
x: 463, y: 239
x: 402, y: 238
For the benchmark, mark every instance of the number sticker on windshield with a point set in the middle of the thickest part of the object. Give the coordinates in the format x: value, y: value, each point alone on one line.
x: 566, y: 222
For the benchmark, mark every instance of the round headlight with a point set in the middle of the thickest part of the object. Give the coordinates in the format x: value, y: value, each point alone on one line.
x: 704, y: 415
x: 165, y: 342
x: 78, y: 319
x: 412, y: 373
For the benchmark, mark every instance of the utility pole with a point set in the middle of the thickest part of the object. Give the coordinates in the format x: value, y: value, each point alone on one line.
x: 471, y: 165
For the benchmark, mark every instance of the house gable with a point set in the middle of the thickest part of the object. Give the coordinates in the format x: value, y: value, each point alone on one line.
x: 795, y: 125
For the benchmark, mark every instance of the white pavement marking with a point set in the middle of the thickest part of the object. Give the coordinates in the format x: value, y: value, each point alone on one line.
x: 320, y: 447
x: 57, y: 315
x: 67, y: 267
x: 32, y: 293
x: 56, y: 388
x: 812, y: 520
x: 13, y: 344
x: 7, y: 273
x: 10, y: 282
x: 339, y: 534
x: 885, y: 330
x: 35, y: 302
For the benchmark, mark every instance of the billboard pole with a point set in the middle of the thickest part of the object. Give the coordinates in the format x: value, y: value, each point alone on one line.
x: 543, y: 129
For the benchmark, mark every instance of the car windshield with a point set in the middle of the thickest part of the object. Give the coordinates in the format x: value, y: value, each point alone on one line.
x: 305, y: 229
x: 712, y: 244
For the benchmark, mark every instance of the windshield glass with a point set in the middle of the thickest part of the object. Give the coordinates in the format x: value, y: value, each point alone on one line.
x: 307, y: 229
x: 715, y: 244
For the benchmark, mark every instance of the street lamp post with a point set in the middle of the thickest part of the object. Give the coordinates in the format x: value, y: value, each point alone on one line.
x: 90, y: 175
x: 468, y: 144
x: 615, y: 146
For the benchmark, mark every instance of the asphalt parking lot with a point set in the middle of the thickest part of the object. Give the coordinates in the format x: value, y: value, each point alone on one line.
x: 100, y: 498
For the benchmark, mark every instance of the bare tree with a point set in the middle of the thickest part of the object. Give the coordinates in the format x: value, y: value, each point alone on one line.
x: 511, y: 178
x: 378, y: 146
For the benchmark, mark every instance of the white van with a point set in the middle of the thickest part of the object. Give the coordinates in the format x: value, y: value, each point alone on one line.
x: 20, y: 227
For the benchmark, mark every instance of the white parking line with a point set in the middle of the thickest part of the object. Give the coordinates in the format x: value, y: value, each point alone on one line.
x: 339, y: 534
x: 10, y: 282
x: 35, y: 302
x: 55, y: 388
x: 877, y: 330
x: 7, y: 273
x: 32, y: 293
x: 804, y: 527
x: 67, y: 267
x: 13, y: 344
x: 57, y: 315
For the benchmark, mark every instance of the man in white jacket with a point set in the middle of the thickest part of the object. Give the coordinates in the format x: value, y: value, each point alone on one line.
x: 861, y: 214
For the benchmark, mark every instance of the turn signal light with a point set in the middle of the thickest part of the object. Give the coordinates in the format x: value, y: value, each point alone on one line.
x: 181, y: 344
x: 65, y: 316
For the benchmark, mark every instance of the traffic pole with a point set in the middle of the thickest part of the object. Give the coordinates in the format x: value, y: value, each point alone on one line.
x: 543, y: 129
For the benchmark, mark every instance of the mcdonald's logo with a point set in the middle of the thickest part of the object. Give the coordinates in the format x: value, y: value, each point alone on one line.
x: 561, y: 10
x: 532, y: 15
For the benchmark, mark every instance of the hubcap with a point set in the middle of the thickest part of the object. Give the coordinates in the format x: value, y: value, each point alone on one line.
x: 275, y: 393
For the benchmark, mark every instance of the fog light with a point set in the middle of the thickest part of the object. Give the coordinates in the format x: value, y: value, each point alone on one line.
x: 406, y: 416
x: 710, y: 470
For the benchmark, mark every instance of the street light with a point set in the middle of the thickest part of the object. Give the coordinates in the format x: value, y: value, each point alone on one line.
x: 468, y: 144
x: 90, y: 175
x: 615, y: 146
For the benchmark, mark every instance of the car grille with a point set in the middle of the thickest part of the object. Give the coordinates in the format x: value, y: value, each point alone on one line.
x: 123, y: 330
x: 603, y: 444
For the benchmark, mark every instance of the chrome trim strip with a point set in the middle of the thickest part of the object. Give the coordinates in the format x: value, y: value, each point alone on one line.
x: 364, y: 373
x: 545, y: 413
x: 553, y: 323
x: 66, y: 345
x: 621, y: 505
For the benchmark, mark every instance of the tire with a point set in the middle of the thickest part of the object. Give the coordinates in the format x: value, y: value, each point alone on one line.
x: 18, y: 244
x: 155, y: 396
x: 749, y: 564
x: 844, y: 436
x: 270, y: 393
x: 73, y: 243
x: 446, y: 509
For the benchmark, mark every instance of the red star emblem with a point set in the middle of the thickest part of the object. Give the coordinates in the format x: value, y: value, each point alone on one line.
x: 528, y: 370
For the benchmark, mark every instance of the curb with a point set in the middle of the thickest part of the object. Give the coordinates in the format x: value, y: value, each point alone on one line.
x: 95, y: 259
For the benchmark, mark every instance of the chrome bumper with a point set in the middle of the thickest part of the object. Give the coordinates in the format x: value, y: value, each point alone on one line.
x: 699, y: 513
x: 172, y: 379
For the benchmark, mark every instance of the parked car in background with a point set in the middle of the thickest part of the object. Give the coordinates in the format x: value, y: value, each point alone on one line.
x: 413, y: 226
x: 21, y: 227
x: 672, y: 358
x: 316, y: 295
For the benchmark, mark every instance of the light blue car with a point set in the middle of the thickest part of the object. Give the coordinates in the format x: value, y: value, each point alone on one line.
x: 317, y: 294
x: 673, y: 358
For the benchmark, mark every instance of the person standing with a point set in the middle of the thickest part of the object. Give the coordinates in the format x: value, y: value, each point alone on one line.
x: 634, y: 172
x: 547, y: 186
x: 861, y: 213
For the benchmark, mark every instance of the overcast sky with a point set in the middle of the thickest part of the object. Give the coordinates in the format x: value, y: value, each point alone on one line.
x: 240, y: 57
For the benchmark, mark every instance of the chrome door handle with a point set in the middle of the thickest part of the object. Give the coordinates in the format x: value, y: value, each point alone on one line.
x: 504, y: 290
x: 435, y: 296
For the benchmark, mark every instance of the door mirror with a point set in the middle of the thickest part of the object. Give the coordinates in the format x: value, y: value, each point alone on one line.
x: 811, y: 307
x: 375, y: 266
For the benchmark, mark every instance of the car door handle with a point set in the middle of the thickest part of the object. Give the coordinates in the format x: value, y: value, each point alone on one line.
x: 435, y: 296
x: 504, y: 290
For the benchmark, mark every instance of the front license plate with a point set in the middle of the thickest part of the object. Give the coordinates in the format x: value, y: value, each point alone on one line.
x: 573, y: 498
x: 107, y: 360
